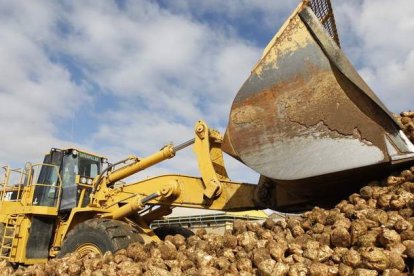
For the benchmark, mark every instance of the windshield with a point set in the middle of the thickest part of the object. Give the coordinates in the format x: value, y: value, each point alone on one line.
x: 82, y: 164
x: 89, y: 165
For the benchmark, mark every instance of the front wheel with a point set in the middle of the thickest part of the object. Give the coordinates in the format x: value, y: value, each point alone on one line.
x: 99, y: 236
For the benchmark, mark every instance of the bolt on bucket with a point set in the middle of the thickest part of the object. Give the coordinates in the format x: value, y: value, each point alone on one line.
x: 306, y: 120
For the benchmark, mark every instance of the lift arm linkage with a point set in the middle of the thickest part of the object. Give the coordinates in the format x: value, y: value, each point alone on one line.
x: 213, y: 190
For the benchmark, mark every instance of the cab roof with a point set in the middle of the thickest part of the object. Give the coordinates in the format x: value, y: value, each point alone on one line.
x: 79, y: 150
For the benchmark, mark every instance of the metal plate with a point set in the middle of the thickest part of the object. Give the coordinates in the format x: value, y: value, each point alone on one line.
x: 305, y: 112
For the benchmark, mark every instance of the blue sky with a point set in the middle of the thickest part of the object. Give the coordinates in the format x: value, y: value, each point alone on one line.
x: 123, y: 77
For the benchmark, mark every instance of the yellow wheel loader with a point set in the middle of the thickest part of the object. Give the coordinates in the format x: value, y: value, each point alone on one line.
x: 304, y: 119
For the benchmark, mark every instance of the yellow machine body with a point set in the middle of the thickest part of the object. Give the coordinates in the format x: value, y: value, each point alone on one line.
x: 34, y: 224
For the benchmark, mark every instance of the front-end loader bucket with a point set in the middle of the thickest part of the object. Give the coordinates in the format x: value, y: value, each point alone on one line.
x: 307, y: 122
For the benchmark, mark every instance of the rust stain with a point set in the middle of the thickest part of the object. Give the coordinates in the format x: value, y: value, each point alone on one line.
x: 245, y: 115
x: 287, y: 108
x: 295, y: 91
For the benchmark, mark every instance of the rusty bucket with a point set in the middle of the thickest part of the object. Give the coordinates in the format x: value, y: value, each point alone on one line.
x: 306, y: 120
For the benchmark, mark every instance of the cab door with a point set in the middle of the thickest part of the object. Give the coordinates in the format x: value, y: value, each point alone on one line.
x: 45, y: 202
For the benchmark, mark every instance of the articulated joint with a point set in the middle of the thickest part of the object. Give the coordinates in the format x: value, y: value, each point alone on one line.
x: 201, y: 130
x: 168, y: 151
x: 171, y: 190
x: 214, y: 189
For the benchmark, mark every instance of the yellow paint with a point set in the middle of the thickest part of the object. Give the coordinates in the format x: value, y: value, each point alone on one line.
x: 213, y: 190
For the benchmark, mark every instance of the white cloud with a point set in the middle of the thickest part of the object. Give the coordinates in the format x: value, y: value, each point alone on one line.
x: 34, y: 92
x: 167, y: 71
x: 159, y: 57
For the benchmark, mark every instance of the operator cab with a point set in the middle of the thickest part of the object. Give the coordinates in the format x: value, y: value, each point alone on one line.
x: 77, y: 170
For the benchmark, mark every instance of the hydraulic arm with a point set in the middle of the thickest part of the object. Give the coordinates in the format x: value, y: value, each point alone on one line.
x: 214, y: 190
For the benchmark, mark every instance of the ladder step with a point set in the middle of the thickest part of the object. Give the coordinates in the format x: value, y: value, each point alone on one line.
x: 6, y: 244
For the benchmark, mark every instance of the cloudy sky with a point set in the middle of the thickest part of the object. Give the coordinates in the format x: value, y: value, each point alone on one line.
x: 123, y: 77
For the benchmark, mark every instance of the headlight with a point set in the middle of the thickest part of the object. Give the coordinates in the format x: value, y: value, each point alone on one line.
x: 89, y: 181
x: 83, y: 180
x: 74, y: 152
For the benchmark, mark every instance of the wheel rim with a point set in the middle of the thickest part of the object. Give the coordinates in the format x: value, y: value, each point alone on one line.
x: 88, y: 248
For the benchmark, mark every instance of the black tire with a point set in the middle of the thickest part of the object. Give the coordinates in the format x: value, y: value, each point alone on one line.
x: 163, y: 231
x: 104, y: 234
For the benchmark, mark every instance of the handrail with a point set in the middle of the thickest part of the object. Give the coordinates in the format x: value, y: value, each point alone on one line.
x: 215, y: 219
x: 25, y: 178
x: 57, y: 185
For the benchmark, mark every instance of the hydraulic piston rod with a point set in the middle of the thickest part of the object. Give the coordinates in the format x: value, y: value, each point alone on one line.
x: 165, y: 153
x: 131, y: 207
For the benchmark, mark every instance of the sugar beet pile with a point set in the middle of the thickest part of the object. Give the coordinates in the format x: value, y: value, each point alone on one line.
x: 371, y: 233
